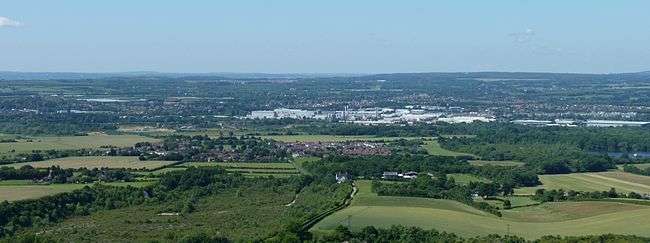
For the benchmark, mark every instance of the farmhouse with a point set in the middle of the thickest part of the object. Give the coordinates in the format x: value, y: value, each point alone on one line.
x: 390, y: 175
x: 342, y: 177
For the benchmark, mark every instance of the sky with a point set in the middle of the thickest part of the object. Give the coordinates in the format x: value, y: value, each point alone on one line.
x: 333, y: 36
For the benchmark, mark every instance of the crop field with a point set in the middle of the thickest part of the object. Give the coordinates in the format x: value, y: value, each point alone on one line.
x: 16, y: 190
x: 90, y: 162
x: 495, y: 163
x: 566, y: 218
x: 433, y: 148
x: 601, y: 181
x: 330, y: 138
x: 71, y: 142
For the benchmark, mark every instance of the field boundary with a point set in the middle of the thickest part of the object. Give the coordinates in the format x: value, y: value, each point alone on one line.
x: 346, y: 202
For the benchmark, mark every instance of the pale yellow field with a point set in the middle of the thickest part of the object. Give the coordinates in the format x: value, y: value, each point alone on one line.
x: 90, y: 162
x: 33, y: 191
x: 72, y: 142
x: 601, y: 181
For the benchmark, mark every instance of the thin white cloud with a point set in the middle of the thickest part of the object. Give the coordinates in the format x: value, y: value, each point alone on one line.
x: 7, y: 22
x: 524, y: 36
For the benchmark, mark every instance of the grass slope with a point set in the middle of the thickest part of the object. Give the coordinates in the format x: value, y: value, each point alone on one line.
x: 601, y: 181
x: 570, y: 218
x: 433, y: 148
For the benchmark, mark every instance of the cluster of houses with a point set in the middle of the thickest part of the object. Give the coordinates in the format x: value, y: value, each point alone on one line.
x: 387, y: 175
x: 343, y: 148
x: 390, y: 175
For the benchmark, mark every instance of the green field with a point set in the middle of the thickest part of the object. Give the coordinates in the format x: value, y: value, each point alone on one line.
x: 433, y: 148
x: 330, y: 138
x: 495, y: 163
x: 601, y: 181
x: 90, y: 162
x: 15, y: 190
x: 567, y: 218
x: 72, y: 142
x: 465, y: 179
x: 298, y: 163
x: 640, y: 166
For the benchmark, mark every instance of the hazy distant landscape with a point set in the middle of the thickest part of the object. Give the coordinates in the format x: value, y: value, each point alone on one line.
x: 325, y: 121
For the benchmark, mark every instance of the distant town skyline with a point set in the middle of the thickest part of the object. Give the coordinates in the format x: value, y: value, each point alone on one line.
x: 325, y: 37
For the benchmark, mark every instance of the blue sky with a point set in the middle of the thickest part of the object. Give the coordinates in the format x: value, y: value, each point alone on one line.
x: 596, y: 36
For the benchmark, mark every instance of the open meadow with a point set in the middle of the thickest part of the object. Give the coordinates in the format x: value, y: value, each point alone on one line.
x: 465, y: 179
x: 600, y: 181
x: 640, y: 166
x: 90, y: 162
x: 71, y: 142
x: 433, y: 148
x: 566, y: 218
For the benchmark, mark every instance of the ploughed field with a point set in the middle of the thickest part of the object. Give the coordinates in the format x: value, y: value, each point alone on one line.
x: 562, y: 218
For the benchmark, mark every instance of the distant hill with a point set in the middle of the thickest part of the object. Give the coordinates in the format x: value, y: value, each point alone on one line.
x: 4, y: 75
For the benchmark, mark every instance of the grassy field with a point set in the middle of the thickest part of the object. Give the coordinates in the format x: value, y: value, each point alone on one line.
x: 72, y: 142
x: 298, y: 163
x: 601, y: 181
x: 495, y: 163
x: 90, y: 162
x: 433, y: 148
x: 465, y: 179
x: 640, y: 166
x: 567, y: 218
x: 15, y: 190
x: 330, y: 138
